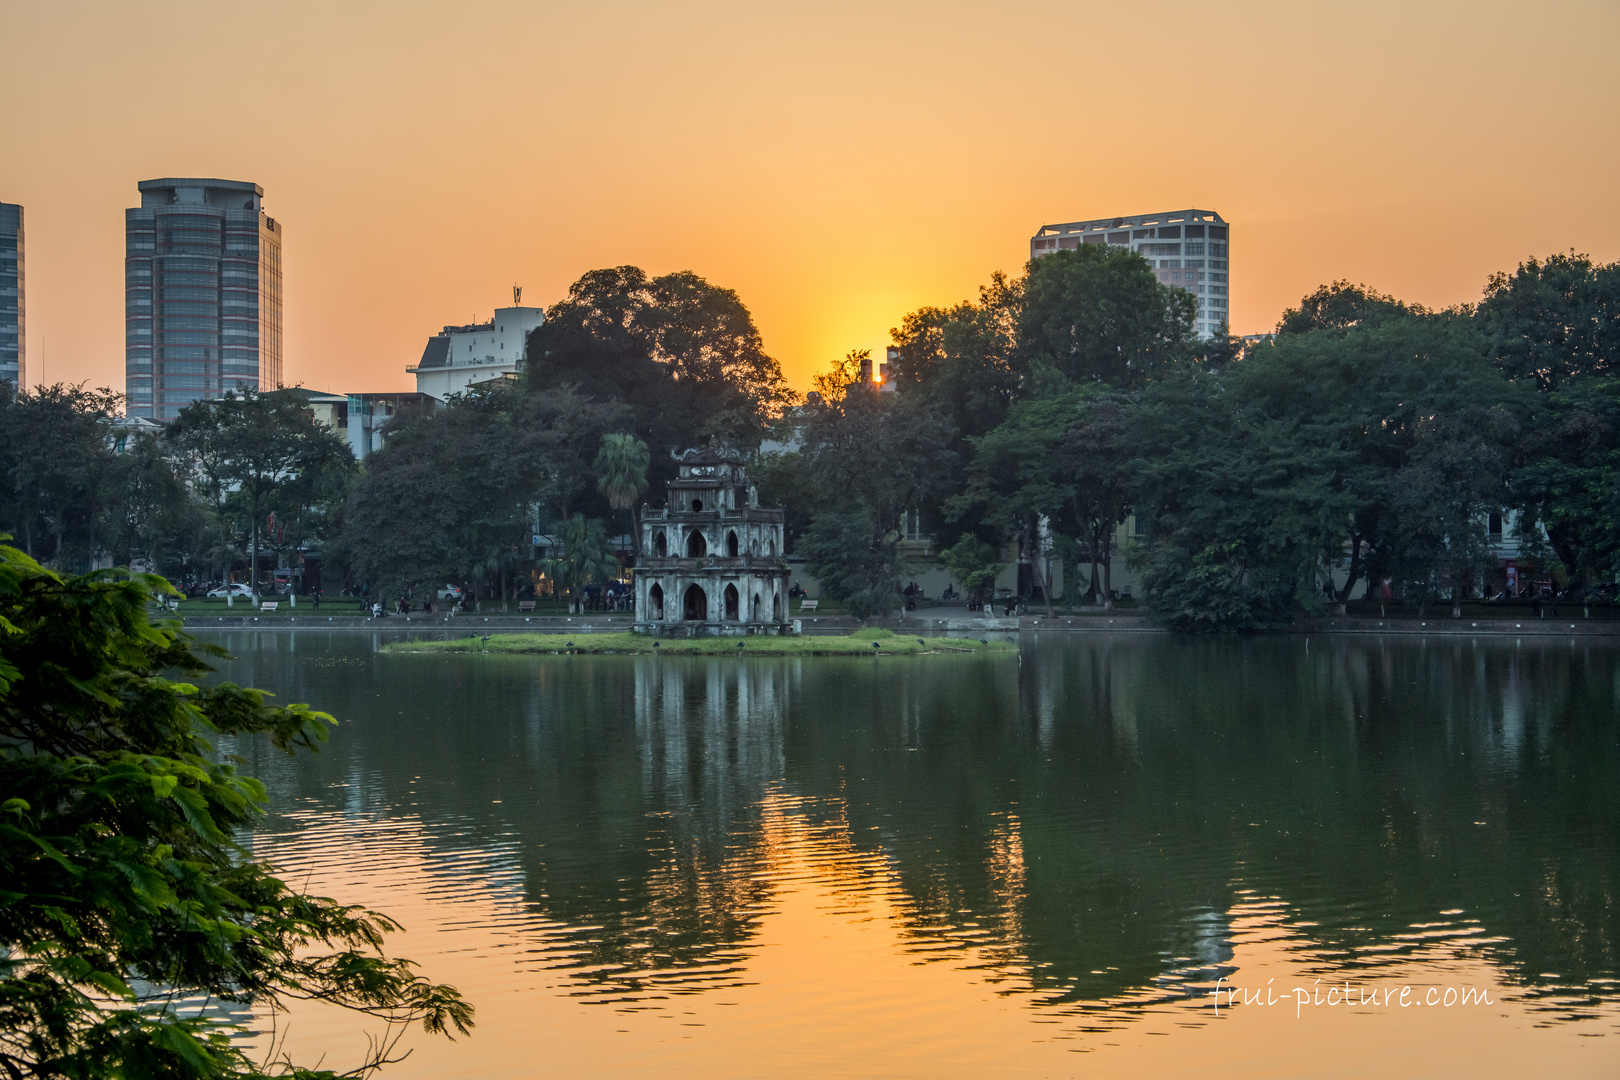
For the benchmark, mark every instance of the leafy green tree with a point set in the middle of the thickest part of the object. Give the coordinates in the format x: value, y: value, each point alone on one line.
x: 681, y: 354
x: 54, y: 452
x: 1341, y: 307
x: 253, y: 454
x: 457, y: 494
x: 1428, y: 427
x: 870, y: 457
x: 1241, y: 502
x: 123, y: 893
x: 1555, y: 320
x: 621, y: 475
x: 1057, y: 467
x: 971, y: 562
x: 583, y: 556
x: 1097, y: 313
x: 1567, y: 475
x: 149, y: 514
x: 780, y: 477
x: 1389, y: 443
x: 964, y: 359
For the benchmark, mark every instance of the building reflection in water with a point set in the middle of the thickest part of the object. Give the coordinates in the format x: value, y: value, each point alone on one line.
x: 1086, y: 826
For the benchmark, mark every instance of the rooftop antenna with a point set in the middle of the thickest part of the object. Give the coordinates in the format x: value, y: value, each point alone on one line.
x: 517, y: 296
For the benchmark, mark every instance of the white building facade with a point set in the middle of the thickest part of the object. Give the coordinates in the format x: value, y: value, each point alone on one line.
x: 1188, y: 249
x: 460, y: 356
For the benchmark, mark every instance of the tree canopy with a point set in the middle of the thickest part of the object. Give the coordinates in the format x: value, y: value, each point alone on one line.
x: 681, y: 354
x: 124, y: 893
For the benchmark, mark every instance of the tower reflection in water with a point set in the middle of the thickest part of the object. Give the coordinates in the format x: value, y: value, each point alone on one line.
x: 1085, y: 825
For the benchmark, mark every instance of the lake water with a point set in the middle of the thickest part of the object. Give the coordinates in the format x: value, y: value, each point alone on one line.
x: 1031, y: 865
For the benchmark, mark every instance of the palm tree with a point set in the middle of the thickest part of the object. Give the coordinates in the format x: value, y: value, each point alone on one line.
x: 584, y: 555
x: 621, y: 476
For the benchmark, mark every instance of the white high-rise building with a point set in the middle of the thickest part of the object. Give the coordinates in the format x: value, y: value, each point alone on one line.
x: 461, y: 356
x: 1188, y: 249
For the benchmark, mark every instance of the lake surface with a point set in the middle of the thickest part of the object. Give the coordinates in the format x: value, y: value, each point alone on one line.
x: 1031, y: 865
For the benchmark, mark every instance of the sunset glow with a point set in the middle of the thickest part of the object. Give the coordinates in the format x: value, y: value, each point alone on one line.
x: 838, y: 165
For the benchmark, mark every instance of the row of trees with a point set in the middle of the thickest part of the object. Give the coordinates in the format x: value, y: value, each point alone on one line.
x: 455, y: 495
x: 1368, y: 440
x: 79, y: 485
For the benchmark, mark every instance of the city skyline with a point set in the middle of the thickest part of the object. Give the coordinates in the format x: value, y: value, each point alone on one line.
x: 837, y: 168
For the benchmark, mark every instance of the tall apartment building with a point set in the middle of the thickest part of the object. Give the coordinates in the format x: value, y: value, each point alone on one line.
x: 461, y: 356
x: 13, y: 297
x: 202, y: 294
x: 1188, y: 249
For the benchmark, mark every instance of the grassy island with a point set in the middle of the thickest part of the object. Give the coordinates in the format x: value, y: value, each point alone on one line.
x: 860, y: 643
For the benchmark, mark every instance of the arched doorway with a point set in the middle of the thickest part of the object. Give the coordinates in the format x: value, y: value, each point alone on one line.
x: 655, y: 599
x: 757, y: 610
x: 696, y: 605
x: 661, y: 545
x: 696, y: 546
x: 776, y: 608
x: 731, y: 544
x: 731, y: 603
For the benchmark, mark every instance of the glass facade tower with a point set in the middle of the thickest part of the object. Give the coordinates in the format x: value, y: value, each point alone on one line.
x: 13, y: 305
x: 202, y: 294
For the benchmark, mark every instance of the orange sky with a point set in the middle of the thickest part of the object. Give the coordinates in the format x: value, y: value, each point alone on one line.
x: 838, y: 164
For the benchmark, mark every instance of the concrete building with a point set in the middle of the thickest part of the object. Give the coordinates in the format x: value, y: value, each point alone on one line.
x: 712, y: 560
x: 360, y: 417
x: 461, y: 356
x: 202, y: 294
x: 1188, y: 249
x: 13, y: 297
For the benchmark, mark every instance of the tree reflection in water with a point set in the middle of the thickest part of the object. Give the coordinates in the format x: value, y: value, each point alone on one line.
x: 1086, y: 820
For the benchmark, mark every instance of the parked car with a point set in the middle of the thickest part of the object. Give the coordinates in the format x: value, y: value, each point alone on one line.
x: 230, y: 590
x: 450, y: 592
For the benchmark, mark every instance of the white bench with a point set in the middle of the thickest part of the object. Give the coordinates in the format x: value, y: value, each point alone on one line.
x: 269, y: 605
x: 525, y: 605
x: 808, y: 605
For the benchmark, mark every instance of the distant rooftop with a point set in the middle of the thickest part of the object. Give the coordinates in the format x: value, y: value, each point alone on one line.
x: 170, y: 182
x: 200, y: 191
x: 1139, y: 221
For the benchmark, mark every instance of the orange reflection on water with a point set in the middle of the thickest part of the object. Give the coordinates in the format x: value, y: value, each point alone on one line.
x: 838, y: 979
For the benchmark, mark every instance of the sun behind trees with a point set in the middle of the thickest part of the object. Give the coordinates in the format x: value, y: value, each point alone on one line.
x: 1368, y: 441
x: 127, y: 903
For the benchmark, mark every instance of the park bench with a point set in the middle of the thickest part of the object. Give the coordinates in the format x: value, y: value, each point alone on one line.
x: 269, y: 605
x: 525, y: 605
x: 808, y: 605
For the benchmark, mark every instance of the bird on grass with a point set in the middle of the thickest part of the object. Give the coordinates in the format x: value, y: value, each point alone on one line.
x: 920, y: 641
x: 984, y: 641
x: 657, y: 643
x: 568, y: 644
x: 875, y: 645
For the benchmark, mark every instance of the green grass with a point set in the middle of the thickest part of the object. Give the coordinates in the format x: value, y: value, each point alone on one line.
x: 859, y: 643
